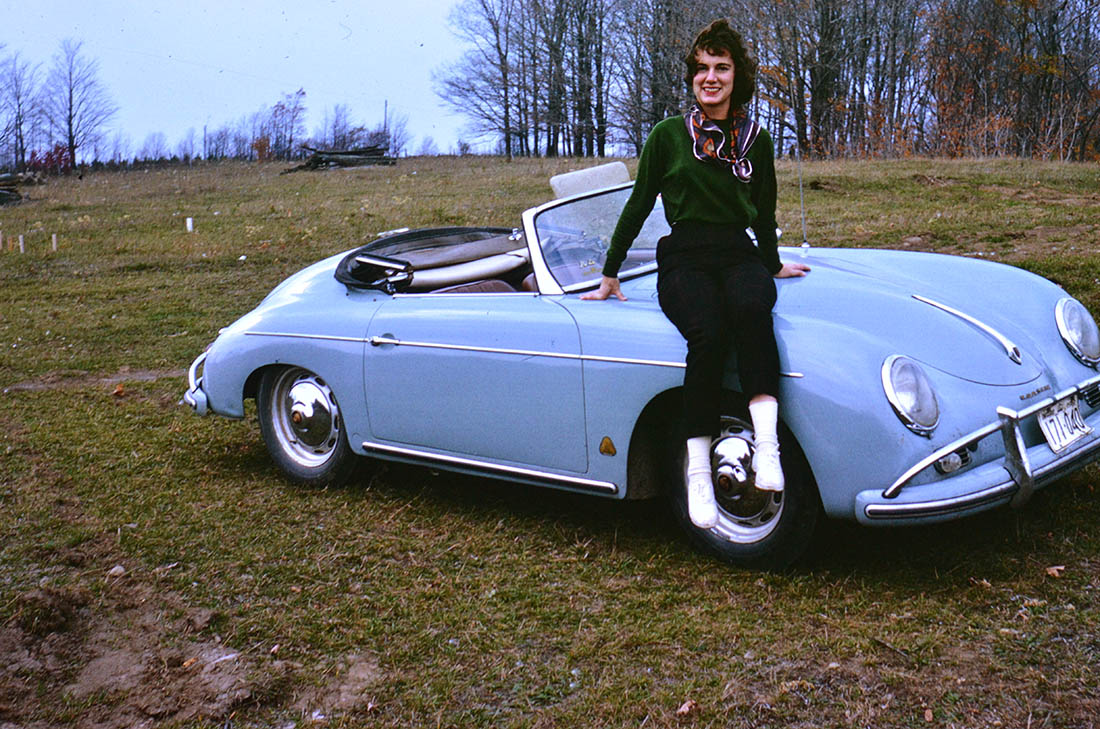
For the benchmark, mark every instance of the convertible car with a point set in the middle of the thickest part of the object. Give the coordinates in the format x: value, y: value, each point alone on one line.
x: 915, y: 387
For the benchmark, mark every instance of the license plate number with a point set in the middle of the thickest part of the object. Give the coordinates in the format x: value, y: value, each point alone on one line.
x: 1062, y: 424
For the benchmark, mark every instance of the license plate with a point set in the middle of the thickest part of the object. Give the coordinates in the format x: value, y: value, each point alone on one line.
x: 1062, y: 424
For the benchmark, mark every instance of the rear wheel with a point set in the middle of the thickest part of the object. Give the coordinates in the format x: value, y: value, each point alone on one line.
x: 755, y: 529
x: 303, y: 429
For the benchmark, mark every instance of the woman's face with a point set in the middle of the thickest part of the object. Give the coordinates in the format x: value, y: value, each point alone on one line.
x: 713, y: 83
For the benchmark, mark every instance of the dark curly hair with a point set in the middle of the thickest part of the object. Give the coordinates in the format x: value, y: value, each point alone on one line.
x: 718, y: 38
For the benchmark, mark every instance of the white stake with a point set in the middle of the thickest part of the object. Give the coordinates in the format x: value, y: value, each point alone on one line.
x: 54, y: 237
x: 21, y: 244
x: 190, y: 225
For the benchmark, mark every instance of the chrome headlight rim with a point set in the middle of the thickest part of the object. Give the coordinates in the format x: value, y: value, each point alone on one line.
x: 1073, y: 343
x: 923, y: 427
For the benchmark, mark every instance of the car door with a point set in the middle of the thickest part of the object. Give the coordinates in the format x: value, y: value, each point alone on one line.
x: 491, y: 376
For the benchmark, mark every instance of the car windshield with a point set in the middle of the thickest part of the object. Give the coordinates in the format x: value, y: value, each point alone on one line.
x: 574, y: 237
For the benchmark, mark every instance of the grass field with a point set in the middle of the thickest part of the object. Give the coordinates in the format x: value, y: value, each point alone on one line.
x: 156, y: 570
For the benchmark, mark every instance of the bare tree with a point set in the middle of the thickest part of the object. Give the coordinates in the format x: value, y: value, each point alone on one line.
x: 338, y: 131
x: 19, y: 105
x: 155, y: 147
x: 75, y: 100
x: 397, y: 127
x: 287, y: 124
x: 185, y: 149
x: 120, y: 147
x: 481, y: 84
x: 428, y: 147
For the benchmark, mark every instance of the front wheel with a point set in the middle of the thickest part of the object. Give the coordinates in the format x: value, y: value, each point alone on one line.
x: 303, y: 429
x: 756, y: 529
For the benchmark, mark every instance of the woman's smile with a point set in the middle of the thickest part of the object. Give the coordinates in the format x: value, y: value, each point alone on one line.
x: 713, y: 83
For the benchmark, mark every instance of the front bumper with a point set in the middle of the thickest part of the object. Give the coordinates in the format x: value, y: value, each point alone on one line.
x: 195, y: 396
x: 1012, y: 479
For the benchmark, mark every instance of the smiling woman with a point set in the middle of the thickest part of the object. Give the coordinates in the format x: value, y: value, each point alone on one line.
x: 713, y: 168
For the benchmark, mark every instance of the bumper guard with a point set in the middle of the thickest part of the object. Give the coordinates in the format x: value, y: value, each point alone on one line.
x: 1024, y: 477
x: 195, y: 397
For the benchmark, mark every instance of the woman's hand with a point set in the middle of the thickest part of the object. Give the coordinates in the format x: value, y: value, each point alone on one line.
x: 608, y: 287
x: 793, y: 270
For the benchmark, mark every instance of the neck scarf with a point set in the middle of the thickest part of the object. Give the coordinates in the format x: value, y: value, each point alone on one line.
x: 708, y: 141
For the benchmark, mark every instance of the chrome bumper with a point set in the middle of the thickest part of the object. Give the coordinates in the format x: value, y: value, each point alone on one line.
x: 1014, y: 479
x: 195, y: 397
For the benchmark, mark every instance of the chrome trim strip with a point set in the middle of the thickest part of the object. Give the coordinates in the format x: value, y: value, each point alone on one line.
x: 325, y: 337
x: 1011, y: 349
x: 1016, y: 461
x: 939, y: 506
x: 465, y: 294
x: 930, y: 460
x: 376, y: 341
x: 572, y: 481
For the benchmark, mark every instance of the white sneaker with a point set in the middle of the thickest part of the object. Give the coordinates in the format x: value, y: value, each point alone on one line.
x: 702, y: 508
x: 769, y: 471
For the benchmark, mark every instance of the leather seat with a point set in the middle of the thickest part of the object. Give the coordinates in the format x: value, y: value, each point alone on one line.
x: 485, y: 286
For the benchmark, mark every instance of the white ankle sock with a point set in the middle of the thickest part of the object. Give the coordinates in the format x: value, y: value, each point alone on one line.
x: 765, y: 420
x: 698, y: 455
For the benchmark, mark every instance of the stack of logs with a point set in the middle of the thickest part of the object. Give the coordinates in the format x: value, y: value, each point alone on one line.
x: 8, y: 183
x: 326, y: 158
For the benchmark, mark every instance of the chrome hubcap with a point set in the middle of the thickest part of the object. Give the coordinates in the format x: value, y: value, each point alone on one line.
x: 310, y: 415
x: 305, y: 417
x: 745, y: 514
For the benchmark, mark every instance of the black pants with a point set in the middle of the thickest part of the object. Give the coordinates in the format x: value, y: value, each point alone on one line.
x: 713, y: 286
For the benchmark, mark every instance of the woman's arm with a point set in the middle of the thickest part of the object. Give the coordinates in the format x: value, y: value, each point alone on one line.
x: 647, y: 183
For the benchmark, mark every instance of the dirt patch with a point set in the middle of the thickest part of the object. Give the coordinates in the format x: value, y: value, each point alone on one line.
x: 348, y: 691
x: 129, y: 656
x: 103, y: 643
x: 70, y: 380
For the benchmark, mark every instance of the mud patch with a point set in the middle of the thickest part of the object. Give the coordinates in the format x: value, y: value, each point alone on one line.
x: 119, y: 657
x: 100, y: 642
x: 348, y: 692
x: 76, y: 380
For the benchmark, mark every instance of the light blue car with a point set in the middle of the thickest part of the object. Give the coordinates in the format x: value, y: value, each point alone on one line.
x: 915, y: 387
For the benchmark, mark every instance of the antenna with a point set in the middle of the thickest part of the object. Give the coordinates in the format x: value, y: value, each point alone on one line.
x: 801, y: 196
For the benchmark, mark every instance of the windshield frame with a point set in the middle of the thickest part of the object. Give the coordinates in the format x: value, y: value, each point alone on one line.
x: 547, y: 282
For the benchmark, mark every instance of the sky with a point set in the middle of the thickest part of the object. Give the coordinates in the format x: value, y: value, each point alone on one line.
x: 172, y: 66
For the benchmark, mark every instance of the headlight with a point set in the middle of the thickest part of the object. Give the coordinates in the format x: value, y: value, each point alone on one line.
x: 910, y: 393
x: 1078, y: 330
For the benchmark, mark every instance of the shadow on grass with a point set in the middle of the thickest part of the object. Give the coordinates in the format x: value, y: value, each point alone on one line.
x: 1059, y: 523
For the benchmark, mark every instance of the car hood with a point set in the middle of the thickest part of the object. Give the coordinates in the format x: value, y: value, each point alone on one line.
x: 874, y: 292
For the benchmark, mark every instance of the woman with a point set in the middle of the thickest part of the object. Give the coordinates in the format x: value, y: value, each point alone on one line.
x: 714, y: 170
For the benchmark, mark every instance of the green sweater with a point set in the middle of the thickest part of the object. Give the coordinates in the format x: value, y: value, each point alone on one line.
x: 696, y: 191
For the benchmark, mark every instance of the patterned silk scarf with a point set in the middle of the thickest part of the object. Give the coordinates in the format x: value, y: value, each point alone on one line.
x: 708, y: 141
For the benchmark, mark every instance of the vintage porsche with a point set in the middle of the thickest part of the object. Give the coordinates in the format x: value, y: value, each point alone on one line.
x: 915, y: 387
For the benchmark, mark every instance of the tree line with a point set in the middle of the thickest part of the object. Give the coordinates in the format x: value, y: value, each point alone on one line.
x: 54, y: 116
x: 862, y: 78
